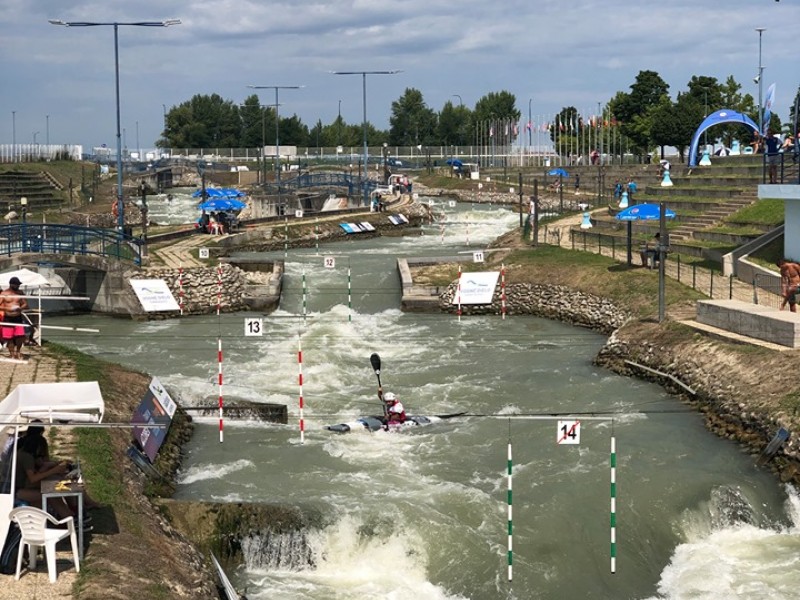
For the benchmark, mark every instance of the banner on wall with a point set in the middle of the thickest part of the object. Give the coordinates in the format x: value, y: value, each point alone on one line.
x: 154, y: 295
x: 477, y: 288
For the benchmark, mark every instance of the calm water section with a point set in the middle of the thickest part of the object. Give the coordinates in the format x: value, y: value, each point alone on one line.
x: 423, y: 514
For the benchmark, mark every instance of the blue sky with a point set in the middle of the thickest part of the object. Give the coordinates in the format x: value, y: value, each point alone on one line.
x: 554, y: 54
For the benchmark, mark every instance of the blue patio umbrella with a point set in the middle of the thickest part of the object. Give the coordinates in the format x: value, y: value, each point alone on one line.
x: 641, y: 212
x: 224, y: 204
x: 559, y: 172
x: 218, y: 193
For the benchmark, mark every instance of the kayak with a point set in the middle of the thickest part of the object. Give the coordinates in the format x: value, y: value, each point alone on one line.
x: 376, y: 423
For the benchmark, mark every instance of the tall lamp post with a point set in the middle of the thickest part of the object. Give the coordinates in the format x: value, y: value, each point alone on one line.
x: 364, y: 100
x: 277, y: 125
x: 47, y: 130
x: 760, y: 78
x: 14, y: 136
x: 116, y: 25
x: 460, y: 101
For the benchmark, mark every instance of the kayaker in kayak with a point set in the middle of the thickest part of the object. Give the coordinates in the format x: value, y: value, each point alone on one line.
x: 395, y: 412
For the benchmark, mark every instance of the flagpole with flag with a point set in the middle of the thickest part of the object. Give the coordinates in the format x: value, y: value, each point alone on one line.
x: 769, y: 100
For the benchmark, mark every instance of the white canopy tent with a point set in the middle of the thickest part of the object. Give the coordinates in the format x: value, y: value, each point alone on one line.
x: 50, y: 403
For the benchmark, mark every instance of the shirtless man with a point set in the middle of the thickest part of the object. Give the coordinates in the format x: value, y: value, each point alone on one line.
x: 790, y: 283
x: 13, y: 329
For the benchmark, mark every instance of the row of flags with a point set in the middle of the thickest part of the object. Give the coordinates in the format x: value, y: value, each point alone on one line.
x: 574, y: 124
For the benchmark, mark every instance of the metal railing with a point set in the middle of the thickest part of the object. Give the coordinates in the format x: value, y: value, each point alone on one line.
x: 69, y: 239
x: 763, y: 290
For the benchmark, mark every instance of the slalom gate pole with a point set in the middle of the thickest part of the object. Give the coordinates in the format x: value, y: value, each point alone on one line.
x: 441, y: 227
x: 459, y: 293
x: 180, y: 287
x: 219, y: 348
x: 349, y: 294
x: 613, y: 502
x: 316, y: 234
x: 219, y: 287
x: 304, y: 296
x: 285, y: 236
x: 300, y: 384
x: 467, y: 233
x: 503, y: 291
x: 510, y: 504
x: 219, y: 382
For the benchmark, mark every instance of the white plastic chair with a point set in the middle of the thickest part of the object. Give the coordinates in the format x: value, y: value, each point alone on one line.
x: 35, y: 534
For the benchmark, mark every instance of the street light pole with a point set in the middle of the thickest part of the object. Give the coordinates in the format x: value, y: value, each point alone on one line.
x: 47, y: 129
x: 35, y: 133
x: 364, y: 100
x: 13, y: 136
x: 116, y: 25
x: 277, y: 125
x: 760, y: 31
x: 460, y: 101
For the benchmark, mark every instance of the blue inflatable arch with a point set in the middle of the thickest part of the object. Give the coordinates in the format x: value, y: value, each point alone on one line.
x: 721, y: 116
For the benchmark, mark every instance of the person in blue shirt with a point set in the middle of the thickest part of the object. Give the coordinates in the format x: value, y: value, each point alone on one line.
x: 632, y: 187
x: 772, y: 144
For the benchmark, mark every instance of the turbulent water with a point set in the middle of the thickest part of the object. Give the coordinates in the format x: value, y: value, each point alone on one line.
x: 424, y: 514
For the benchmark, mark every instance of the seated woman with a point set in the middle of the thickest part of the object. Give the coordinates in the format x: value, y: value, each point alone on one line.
x: 34, y: 440
x: 27, y: 485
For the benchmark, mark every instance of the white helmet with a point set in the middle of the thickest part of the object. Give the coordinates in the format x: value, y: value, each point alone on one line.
x: 389, y: 397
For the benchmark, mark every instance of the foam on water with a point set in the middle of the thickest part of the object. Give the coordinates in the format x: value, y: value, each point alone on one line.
x: 732, y: 559
x: 356, y: 559
x: 218, y: 471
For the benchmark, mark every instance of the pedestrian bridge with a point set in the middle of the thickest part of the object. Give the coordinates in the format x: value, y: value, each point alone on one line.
x: 59, y: 240
x: 95, y: 263
x: 325, y: 180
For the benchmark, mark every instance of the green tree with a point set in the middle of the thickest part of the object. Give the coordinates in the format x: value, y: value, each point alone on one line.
x: 566, y: 127
x: 203, y: 122
x: 673, y: 124
x: 454, y: 125
x: 732, y: 98
x: 494, y: 109
x: 631, y: 109
x: 412, y: 123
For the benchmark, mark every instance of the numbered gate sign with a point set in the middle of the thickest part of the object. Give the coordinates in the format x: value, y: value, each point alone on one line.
x: 480, y: 185
x: 203, y: 252
x: 330, y: 262
x: 253, y: 326
x: 477, y: 256
x: 451, y: 203
x: 298, y: 213
x: 569, y: 432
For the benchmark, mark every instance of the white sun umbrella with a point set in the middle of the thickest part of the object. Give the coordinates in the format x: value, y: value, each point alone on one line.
x: 30, y: 279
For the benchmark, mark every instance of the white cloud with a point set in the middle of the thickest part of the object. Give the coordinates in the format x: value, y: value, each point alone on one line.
x: 557, y: 54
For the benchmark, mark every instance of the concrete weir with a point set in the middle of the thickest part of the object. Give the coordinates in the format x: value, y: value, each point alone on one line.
x: 751, y: 320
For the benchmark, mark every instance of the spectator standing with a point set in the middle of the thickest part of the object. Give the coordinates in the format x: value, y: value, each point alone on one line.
x: 632, y: 187
x: 790, y: 282
x: 772, y: 145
